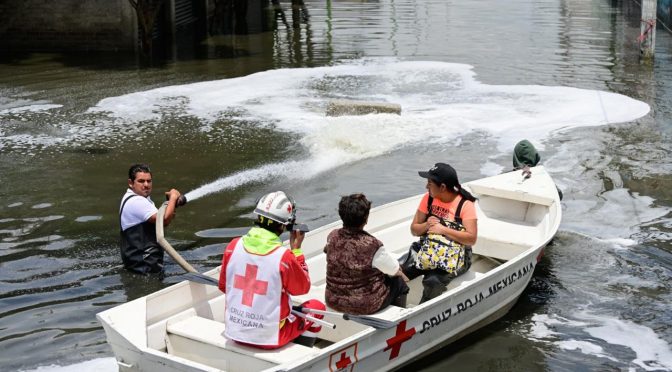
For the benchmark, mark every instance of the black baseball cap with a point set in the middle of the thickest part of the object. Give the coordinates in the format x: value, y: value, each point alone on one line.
x: 442, y: 173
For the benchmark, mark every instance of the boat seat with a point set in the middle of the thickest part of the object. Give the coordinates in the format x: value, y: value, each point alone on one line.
x: 343, y: 328
x: 539, y: 197
x: 499, y: 250
x: 465, y: 278
x: 316, y: 292
x: 317, y: 266
x: 416, y: 288
x: 203, y: 340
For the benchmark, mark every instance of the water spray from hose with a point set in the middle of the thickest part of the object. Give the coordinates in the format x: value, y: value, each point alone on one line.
x: 262, y: 173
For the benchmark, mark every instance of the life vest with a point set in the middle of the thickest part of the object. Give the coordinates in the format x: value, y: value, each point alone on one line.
x: 140, y: 252
x: 253, y: 294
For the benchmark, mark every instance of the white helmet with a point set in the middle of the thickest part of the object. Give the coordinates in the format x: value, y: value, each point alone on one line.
x: 277, y: 206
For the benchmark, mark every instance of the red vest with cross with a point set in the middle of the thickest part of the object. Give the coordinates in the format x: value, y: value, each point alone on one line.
x: 253, y: 293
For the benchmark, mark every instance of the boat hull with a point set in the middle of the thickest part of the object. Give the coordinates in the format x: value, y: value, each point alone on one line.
x: 434, y: 324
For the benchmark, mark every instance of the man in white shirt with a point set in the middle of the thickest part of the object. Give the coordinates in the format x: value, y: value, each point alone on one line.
x: 140, y: 251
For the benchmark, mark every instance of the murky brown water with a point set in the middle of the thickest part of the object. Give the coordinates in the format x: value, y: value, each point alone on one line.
x: 600, y: 298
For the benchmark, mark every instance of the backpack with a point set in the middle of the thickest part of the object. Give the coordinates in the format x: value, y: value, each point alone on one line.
x: 435, y: 251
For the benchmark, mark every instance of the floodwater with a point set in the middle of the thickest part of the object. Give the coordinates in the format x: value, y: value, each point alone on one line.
x: 472, y: 77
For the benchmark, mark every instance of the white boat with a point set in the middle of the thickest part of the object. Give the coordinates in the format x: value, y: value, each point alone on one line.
x: 180, y: 328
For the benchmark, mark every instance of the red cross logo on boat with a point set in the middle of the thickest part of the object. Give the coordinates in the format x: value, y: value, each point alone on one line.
x: 400, y: 337
x: 344, y: 359
x: 249, y: 284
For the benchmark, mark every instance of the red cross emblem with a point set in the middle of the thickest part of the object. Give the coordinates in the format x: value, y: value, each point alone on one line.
x: 402, y: 336
x: 344, y: 359
x: 249, y: 284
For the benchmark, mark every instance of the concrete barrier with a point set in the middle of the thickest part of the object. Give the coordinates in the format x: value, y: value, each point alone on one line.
x: 341, y: 107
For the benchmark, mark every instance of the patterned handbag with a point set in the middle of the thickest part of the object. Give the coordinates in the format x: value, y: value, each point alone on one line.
x: 438, y: 252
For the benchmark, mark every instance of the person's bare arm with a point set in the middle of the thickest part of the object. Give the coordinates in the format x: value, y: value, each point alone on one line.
x: 172, y: 196
x: 420, y: 224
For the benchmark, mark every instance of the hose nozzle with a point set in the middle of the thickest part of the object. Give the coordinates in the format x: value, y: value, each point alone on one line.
x: 182, y: 200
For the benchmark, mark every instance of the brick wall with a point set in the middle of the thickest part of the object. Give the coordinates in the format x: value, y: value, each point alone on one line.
x: 62, y: 25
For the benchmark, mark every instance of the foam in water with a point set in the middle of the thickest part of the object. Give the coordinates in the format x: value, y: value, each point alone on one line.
x: 616, y: 209
x: 29, y: 108
x: 443, y: 99
x: 652, y: 352
x: 439, y: 98
x: 88, y: 218
x: 584, y: 347
x: 41, y: 205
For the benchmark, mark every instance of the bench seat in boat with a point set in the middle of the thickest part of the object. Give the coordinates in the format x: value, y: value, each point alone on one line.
x: 539, y: 196
x: 478, y: 268
x: 202, y: 340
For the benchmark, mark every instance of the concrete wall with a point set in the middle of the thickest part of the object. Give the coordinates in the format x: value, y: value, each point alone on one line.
x: 67, y: 25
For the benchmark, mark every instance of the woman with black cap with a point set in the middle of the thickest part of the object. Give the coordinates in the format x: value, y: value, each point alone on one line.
x: 446, y: 221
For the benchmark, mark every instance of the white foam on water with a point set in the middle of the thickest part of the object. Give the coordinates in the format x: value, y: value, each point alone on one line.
x: 632, y: 281
x: 443, y: 99
x: 540, y: 327
x: 88, y: 218
x: 43, y: 219
x: 437, y: 98
x: 433, y: 95
x: 13, y: 205
x: 29, y: 108
x: 23, y: 230
x: 652, y: 352
x: 98, y: 365
x: 491, y: 169
x: 41, y: 205
x: 620, y: 242
x: 556, y: 320
x: 614, y: 217
x: 584, y: 347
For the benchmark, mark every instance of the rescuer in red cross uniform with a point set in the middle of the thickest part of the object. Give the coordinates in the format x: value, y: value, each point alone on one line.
x: 258, y: 276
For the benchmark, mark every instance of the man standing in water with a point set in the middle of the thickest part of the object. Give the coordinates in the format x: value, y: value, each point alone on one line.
x: 140, y: 251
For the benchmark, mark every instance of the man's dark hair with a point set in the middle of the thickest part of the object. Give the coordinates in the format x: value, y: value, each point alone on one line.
x: 354, y: 210
x: 135, y: 168
x: 269, y: 224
